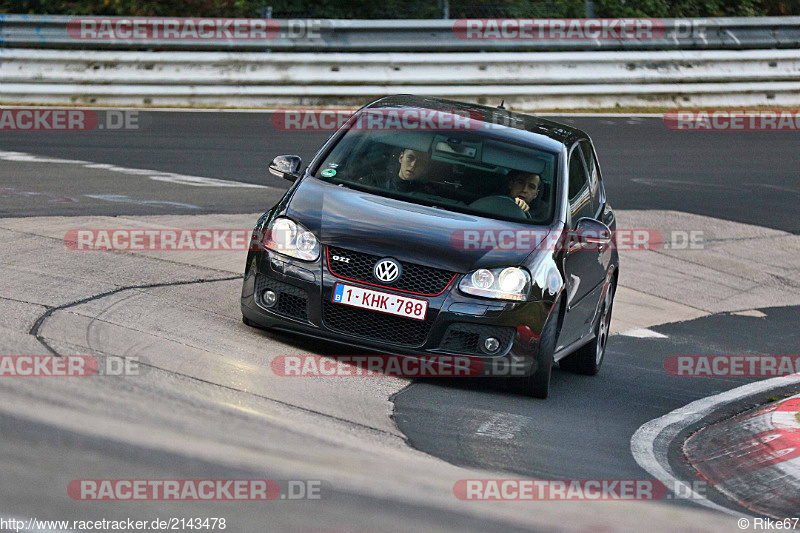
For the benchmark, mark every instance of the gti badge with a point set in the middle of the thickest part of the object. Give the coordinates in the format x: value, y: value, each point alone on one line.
x: 387, y: 270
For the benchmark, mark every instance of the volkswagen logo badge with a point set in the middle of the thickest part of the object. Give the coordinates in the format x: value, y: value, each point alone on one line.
x: 387, y: 270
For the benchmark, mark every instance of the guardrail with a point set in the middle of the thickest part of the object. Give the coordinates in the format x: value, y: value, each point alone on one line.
x: 29, y: 31
x: 525, y: 80
x: 744, y: 62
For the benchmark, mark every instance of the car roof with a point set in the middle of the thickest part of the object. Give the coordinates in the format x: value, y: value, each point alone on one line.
x: 529, y: 124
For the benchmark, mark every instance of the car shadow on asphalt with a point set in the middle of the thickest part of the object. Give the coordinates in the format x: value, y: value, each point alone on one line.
x: 333, y: 349
x: 491, y: 385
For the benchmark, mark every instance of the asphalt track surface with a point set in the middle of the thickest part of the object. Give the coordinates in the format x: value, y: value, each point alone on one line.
x: 748, y: 177
x: 578, y: 435
x: 583, y: 431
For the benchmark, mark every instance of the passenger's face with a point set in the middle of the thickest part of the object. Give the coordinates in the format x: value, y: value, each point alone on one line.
x: 413, y: 165
x: 526, y: 188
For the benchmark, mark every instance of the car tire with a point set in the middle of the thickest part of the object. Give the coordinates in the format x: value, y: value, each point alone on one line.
x: 537, y: 384
x: 588, y: 358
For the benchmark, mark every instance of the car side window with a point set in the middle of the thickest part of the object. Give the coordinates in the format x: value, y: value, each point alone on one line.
x: 580, y: 204
x: 595, y: 185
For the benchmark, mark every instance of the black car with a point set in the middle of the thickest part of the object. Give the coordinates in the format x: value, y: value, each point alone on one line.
x: 409, y: 236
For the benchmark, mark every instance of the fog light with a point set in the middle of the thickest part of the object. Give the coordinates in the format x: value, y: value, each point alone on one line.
x: 491, y: 345
x: 270, y: 298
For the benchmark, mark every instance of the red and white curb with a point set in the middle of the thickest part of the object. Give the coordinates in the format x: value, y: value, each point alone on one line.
x: 753, y: 458
x: 650, y: 443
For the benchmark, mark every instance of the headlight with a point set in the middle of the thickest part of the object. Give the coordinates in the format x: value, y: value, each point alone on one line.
x: 482, y: 279
x: 510, y: 283
x: 290, y: 238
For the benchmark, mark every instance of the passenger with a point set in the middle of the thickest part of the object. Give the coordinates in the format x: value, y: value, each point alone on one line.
x: 414, y: 165
x: 523, y: 187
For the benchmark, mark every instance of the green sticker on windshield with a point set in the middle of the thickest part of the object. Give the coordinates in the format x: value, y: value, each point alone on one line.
x: 328, y: 173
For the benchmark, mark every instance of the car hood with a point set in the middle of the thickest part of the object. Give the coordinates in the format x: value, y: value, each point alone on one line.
x: 360, y: 221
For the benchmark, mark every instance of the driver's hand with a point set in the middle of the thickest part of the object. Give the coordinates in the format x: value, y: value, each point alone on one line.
x: 522, y: 204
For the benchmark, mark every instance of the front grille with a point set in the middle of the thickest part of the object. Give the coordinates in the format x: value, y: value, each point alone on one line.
x: 292, y: 301
x: 414, y: 278
x: 374, y: 325
x: 465, y: 338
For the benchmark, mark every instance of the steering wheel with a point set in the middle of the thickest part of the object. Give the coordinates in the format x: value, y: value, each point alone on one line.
x: 500, y: 205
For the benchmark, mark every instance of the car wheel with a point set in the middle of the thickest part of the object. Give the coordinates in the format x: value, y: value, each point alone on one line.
x: 588, y: 358
x: 537, y: 384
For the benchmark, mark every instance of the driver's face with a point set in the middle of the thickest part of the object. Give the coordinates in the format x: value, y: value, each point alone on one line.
x: 413, y: 165
x: 526, y: 188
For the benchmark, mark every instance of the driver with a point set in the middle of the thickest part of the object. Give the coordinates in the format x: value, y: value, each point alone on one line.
x: 412, y: 175
x: 523, y: 188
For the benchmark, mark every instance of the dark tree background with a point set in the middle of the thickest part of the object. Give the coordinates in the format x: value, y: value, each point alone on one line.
x: 403, y: 9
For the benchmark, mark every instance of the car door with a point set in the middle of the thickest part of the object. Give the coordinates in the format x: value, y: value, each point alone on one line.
x: 601, y: 211
x: 584, y: 272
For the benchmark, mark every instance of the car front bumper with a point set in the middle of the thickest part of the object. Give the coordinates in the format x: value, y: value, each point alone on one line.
x: 455, y: 324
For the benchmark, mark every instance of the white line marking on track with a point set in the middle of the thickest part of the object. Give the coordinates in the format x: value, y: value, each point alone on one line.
x: 643, y: 333
x: 650, y: 443
x: 198, y: 181
x: 156, y: 175
x: 121, y: 198
x: 755, y: 313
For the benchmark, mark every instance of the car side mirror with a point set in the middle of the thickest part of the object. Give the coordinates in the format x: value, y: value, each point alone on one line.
x: 286, y: 167
x: 588, y: 233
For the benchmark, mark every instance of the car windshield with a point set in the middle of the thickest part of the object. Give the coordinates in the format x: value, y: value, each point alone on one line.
x: 461, y: 170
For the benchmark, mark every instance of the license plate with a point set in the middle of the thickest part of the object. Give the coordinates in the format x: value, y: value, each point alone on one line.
x: 380, y: 301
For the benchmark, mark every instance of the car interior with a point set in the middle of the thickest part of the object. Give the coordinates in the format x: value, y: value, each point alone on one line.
x: 466, y: 170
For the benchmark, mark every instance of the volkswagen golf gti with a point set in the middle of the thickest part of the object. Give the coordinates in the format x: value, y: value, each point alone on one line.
x: 427, y: 227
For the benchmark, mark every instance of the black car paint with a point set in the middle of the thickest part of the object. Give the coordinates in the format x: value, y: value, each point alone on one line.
x: 386, y: 227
